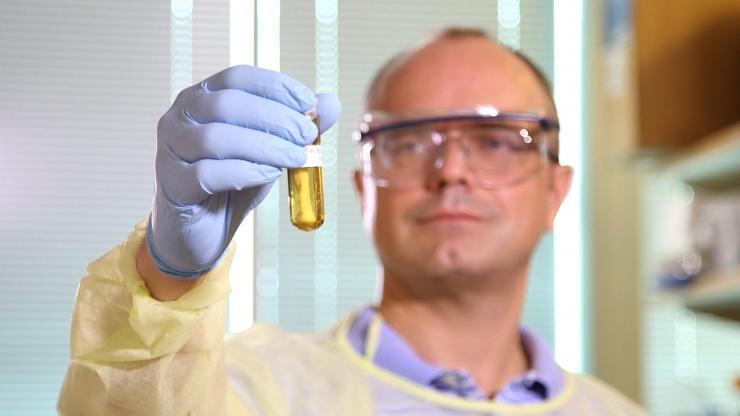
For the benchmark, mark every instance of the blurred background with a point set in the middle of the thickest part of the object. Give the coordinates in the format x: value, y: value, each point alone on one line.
x: 638, y: 285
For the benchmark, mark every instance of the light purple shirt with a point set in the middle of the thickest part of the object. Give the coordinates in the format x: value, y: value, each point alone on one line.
x: 543, y: 381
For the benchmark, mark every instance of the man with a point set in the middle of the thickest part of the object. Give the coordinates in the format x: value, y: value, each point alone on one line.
x: 459, y: 180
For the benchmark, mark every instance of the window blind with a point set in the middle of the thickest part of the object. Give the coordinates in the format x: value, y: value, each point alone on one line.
x: 83, y: 84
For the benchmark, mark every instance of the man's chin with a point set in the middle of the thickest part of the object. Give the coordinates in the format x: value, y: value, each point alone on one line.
x: 453, y: 262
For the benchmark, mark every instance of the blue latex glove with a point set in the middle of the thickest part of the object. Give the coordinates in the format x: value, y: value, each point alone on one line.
x: 220, y: 147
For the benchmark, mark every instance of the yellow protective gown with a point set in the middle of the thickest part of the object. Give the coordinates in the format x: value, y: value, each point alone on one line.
x: 133, y: 355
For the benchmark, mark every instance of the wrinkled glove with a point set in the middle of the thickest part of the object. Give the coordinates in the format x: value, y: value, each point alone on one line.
x: 220, y: 147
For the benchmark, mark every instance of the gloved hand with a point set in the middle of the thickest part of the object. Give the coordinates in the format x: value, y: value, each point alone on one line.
x: 220, y: 147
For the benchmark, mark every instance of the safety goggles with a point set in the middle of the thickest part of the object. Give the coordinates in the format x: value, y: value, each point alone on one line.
x: 501, y: 149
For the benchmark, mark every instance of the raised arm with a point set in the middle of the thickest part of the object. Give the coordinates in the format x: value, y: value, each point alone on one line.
x: 149, y: 318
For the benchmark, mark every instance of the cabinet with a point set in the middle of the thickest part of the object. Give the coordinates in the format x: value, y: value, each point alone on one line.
x: 688, y: 70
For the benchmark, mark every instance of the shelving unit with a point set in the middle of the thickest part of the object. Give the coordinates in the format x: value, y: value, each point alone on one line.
x: 713, y: 165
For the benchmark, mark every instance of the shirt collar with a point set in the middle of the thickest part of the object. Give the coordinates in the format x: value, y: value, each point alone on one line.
x: 372, y: 338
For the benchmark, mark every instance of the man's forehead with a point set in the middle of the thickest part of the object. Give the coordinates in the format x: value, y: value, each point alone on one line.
x: 459, y: 73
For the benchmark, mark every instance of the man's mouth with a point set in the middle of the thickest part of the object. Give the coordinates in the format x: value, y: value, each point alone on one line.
x: 450, y: 216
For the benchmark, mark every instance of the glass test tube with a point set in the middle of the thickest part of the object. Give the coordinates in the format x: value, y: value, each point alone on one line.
x: 306, y: 187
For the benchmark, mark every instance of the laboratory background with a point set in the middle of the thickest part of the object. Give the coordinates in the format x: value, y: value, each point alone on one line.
x: 639, y: 284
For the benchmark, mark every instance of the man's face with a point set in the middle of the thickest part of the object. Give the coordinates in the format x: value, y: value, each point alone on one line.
x: 450, y: 226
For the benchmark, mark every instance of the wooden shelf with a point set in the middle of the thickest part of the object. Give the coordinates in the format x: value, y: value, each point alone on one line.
x: 717, y: 294
x: 712, y: 164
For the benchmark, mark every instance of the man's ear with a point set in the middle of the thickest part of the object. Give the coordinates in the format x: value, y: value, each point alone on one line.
x: 359, y: 181
x: 366, y: 192
x: 359, y: 187
x: 561, y: 179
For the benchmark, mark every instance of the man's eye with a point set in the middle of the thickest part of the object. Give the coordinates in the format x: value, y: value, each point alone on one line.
x: 497, y: 144
x: 502, y: 141
x: 406, y: 146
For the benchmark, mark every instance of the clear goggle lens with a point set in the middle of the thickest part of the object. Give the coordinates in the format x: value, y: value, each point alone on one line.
x: 499, y: 150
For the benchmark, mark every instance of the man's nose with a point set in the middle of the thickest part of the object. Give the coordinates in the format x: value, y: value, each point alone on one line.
x: 451, y: 166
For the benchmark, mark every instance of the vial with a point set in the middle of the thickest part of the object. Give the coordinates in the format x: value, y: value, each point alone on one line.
x: 306, y: 187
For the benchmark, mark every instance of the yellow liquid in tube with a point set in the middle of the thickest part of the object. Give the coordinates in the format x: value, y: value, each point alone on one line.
x: 306, y: 194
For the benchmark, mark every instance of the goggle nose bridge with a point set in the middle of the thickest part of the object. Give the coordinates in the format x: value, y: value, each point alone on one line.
x: 441, y: 138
